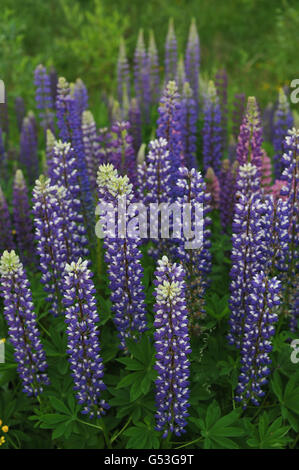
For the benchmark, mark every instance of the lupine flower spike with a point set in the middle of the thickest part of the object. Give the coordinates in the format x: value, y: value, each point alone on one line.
x: 141, y: 76
x: 91, y: 146
x: 171, y: 53
x: 123, y: 72
x: 192, y: 59
x: 290, y: 190
x: 212, y: 131
x: 43, y: 97
x: 22, y: 218
x: 169, y: 125
x: 28, y: 149
x: 122, y: 256
x: 153, y: 69
x: 172, y: 348
x: 22, y: 325
x: 51, y: 247
x: 263, y: 299
x: 189, y: 130
x: 249, y: 148
x: 283, y: 121
x: 83, y: 347
x: 6, y: 238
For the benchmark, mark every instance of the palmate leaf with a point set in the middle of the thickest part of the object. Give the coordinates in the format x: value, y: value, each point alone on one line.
x: 217, y: 430
x: 142, y: 436
x: 289, y: 396
x: 269, y: 436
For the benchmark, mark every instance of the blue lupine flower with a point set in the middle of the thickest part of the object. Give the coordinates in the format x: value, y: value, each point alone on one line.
x: 22, y: 325
x: 172, y: 345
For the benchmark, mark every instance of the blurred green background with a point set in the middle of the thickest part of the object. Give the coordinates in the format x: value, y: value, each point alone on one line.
x: 255, y: 40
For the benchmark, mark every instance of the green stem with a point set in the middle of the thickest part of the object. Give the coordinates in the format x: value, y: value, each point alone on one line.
x: 189, y: 443
x: 106, y: 435
x: 260, y: 407
x: 166, y: 443
x: 90, y: 424
x: 121, y: 431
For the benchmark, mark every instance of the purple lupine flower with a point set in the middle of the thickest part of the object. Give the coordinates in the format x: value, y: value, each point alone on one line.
x: 238, y: 113
x: 249, y: 147
x: 248, y: 181
x: 157, y: 187
x: 50, y: 141
x: 53, y: 84
x: 172, y: 345
x: 227, y: 180
x: 283, y: 121
x: 80, y: 95
x: 141, y: 76
x: 104, y: 142
x: 123, y: 72
x: 141, y: 176
x: 51, y: 246
x: 22, y: 325
x: 259, y: 328
x: 91, y: 146
x: 153, y: 69
x: 86, y: 197
x: 65, y: 174
x: 250, y: 254
x: 221, y: 87
x: 135, y: 121
x: 69, y: 124
x: 6, y: 239
x: 169, y: 126
x: 290, y: 191
x: 114, y: 110
x: 158, y: 168
x: 197, y: 261
x: 123, y: 155
x: 43, y: 97
x: 268, y: 121
x: 63, y: 91
x: 83, y: 347
x: 180, y: 78
x: 192, y: 59
x: 213, y: 188
x: 212, y: 131
x: 28, y: 150
x: 171, y: 53
x: 122, y: 256
x: 22, y: 218
x: 20, y: 111
x: 189, y: 130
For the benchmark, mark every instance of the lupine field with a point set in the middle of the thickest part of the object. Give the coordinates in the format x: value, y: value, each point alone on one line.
x: 136, y: 341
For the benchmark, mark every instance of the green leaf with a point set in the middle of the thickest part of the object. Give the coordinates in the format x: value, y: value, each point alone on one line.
x: 130, y: 379
x: 59, y: 405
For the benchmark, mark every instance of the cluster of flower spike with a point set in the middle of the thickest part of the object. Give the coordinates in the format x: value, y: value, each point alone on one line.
x: 113, y: 163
